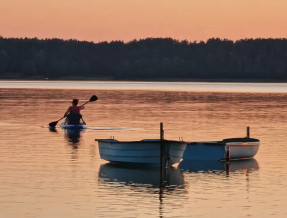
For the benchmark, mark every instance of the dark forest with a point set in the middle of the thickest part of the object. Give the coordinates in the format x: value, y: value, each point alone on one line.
x: 150, y: 59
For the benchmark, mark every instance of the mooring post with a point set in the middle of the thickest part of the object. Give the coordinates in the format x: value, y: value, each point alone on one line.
x: 248, y: 132
x: 227, y: 153
x: 227, y: 168
x: 161, y: 151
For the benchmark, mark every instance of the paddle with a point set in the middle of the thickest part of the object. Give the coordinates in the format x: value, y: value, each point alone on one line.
x: 83, y: 121
x: 53, y: 124
x: 93, y: 98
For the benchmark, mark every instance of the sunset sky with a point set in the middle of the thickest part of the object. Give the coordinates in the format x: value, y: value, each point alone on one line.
x: 107, y: 20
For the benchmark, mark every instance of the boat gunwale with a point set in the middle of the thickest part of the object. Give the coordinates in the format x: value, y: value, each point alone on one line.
x: 65, y: 125
x: 245, y: 139
x: 241, y: 144
x: 141, y: 141
x: 215, y: 143
x: 228, y: 141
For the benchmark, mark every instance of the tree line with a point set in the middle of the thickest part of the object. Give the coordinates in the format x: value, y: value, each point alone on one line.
x: 145, y: 59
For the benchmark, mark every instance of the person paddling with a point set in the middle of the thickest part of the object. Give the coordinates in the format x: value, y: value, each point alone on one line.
x: 76, y: 101
x: 73, y: 113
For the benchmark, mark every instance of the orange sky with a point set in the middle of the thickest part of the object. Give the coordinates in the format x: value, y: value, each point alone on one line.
x: 106, y: 20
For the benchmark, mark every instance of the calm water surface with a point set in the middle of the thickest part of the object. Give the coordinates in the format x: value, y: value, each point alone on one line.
x: 60, y: 174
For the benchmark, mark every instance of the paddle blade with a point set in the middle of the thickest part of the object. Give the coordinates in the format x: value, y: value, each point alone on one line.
x: 53, y: 124
x: 93, y: 98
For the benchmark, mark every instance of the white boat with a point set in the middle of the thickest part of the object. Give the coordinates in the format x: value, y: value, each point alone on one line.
x: 241, y: 148
x: 141, y: 152
x: 65, y: 125
x: 232, y: 148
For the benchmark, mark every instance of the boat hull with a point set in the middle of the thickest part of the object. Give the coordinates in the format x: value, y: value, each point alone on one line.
x: 236, y: 148
x: 70, y: 126
x: 204, y: 151
x: 239, y: 151
x: 141, y: 152
x: 241, y: 148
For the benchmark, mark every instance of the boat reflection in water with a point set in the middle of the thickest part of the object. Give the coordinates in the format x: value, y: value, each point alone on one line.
x: 141, y: 175
x: 73, y: 135
x: 143, y: 180
x: 219, y: 166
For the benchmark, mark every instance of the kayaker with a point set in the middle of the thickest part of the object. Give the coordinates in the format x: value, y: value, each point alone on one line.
x: 73, y: 113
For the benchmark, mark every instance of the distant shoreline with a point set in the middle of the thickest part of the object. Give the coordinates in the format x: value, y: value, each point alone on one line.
x: 158, y: 80
x: 150, y: 59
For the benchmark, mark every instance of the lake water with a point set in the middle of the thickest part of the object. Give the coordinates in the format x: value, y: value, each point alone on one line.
x: 58, y: 174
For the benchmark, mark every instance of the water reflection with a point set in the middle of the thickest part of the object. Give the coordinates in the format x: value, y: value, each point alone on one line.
x: 53, y: 129
x: 144, y: 179
x: 73, y: 136
x: 141, y: 176
x: 36, y: 162
x: 218, y: 166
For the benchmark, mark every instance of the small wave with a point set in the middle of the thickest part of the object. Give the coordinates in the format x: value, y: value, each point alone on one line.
x: 96, y: 128
x: 111, y: 128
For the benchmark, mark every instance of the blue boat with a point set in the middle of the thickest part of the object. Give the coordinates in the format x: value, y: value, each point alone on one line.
x: 65, y: 125
x: 227, y: 149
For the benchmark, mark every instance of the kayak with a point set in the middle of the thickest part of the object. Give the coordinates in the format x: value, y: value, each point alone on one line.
x: 73, y: 126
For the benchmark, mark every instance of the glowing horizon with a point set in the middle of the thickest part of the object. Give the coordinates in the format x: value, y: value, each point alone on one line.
x: 126, y: 20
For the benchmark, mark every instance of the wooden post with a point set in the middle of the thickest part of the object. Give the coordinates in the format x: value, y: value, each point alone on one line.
x: 248, y: 132
x: 227, y: 153
x: 161, y: 153
x: 161, y: 145
x: 227, y: 168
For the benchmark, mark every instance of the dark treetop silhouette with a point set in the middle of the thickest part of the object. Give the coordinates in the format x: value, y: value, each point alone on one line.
x: 147, y: 59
